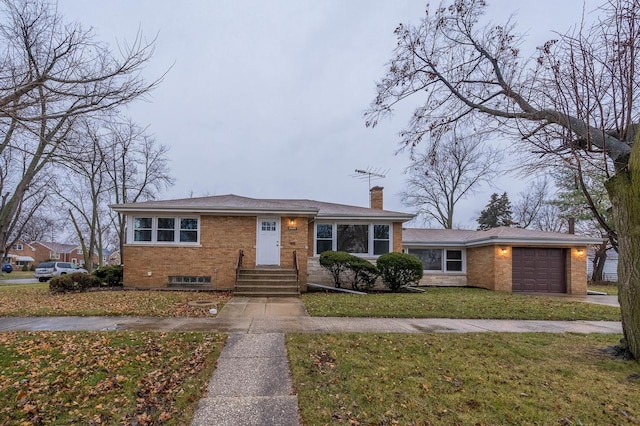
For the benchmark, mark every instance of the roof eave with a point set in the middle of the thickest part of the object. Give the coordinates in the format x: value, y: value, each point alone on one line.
x: 557, y: 242
x: 218, y: 211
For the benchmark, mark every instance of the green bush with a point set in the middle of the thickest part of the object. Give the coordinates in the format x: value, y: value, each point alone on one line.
x: 336, y: 262
x: 76, y: 282
x: 25, y: 268
x: 60, y: 284
x: 347, y: 268
x: 399, y: 270
x: 110, y: 275
x: 363, y: 274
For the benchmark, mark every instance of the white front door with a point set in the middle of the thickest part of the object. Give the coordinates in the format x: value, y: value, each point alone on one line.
x: 268, y: 251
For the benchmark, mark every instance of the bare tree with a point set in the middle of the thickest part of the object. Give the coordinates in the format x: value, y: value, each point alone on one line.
x: 448, y: 173
x: 530, y: 204
x: 85, y: 191
x: 549, y: 219
x: 576, y: 97
x: 137, y: 169
x: 52, y: 73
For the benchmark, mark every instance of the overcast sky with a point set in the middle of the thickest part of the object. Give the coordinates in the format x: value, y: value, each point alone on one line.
x: 265, y: 98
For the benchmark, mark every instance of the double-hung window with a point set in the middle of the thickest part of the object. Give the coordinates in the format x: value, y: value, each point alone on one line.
x: 166, y: 229
x: 142, y: 229
x: 188, y: 230
x: 324, y: 237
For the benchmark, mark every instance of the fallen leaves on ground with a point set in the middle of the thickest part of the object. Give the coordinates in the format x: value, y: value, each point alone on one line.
x: 39, y: 302
x: 129, y: 378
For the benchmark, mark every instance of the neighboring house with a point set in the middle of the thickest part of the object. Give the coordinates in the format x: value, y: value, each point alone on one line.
x: 174, y: 243
x: 610, y: 272
x: 200, y: 239
x: 20, y: 254
x: 502, y: 259
x: 111, y: 258
x: 71, y: 253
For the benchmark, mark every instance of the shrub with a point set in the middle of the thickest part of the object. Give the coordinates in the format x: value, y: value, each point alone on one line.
x: 60, y: 284
x: 347, y: 268
x: 399, y: 270
x: 336, y: 262
x: 76, y: 282
x: 110, y: 275
x: 25, y: 268
x: 363, y: 274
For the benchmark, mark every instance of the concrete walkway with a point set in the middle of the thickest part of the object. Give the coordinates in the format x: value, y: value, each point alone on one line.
x: 252, y: 382
x: 251, y: 385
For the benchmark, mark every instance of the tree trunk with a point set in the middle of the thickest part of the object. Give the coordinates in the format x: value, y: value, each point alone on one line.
x: 599, y: 259
x: 624, y: 193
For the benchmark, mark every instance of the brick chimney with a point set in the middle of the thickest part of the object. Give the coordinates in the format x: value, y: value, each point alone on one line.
x: 375, y: 197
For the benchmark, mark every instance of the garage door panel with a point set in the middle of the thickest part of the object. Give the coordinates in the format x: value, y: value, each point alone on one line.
x: 538, y: 270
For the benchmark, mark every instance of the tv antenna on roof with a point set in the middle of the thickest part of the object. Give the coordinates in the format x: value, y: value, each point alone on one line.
x: 369, y: 173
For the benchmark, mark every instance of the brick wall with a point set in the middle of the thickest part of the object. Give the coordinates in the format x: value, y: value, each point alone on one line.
x: 577, y: 271
x: 488, y: 268
x: 221, y: 239
x: 294, y: 237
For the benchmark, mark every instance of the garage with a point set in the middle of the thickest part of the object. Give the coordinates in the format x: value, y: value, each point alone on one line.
x: 539, y: 270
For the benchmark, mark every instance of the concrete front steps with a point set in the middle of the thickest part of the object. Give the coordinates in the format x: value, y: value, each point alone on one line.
x: 267, y: 282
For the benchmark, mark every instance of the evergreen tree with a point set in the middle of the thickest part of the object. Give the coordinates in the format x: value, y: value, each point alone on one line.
x: 497, y: 213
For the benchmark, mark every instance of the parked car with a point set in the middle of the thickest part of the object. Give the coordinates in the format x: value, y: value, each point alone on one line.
x: 47, y: 270
x: 7, y: 268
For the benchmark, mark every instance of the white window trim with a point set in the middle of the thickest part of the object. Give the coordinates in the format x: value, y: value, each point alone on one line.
x: 334, y: 236
x: 154, y: 230
x: 18, y: 247
x: 443, y: 265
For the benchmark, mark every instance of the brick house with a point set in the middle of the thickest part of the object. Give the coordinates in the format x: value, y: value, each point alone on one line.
x: 219, y: 242
x: 71, y: 253
x: 502, y: 259
x: 20, y: 254
x: 201, y: 241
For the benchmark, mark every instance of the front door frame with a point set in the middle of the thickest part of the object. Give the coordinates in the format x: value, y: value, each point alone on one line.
x: 268, y: 242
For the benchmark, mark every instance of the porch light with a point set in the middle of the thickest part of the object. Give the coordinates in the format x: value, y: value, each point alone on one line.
x: 292, y: 224
x: 580, y: 252
x: 503, y: 250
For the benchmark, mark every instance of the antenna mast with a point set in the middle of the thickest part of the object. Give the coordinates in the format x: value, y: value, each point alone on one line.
x: 369, y: 173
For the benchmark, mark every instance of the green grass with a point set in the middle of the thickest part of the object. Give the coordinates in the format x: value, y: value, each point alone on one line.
x: 15, y: 275
x: 462, y: 379
x: 57, y: 378
x: 455, y: 303
x: 611, y: 289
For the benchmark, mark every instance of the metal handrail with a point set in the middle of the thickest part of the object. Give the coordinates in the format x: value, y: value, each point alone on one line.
x: 239, y: 265
x: 296, y: 268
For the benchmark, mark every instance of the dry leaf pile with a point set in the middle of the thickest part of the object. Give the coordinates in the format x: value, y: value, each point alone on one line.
x: 103, y: 378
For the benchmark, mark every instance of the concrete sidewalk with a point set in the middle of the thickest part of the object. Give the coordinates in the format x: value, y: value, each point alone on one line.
x: 305, y: 325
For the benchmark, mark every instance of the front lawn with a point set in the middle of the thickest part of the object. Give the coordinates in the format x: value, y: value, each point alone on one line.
x: 455, y: 303
x: 35, y: 300
x: 462, y: 379
x: 133, y: 378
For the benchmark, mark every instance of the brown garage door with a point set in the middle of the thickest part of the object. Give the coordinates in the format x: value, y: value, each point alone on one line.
x: 539, y: 270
